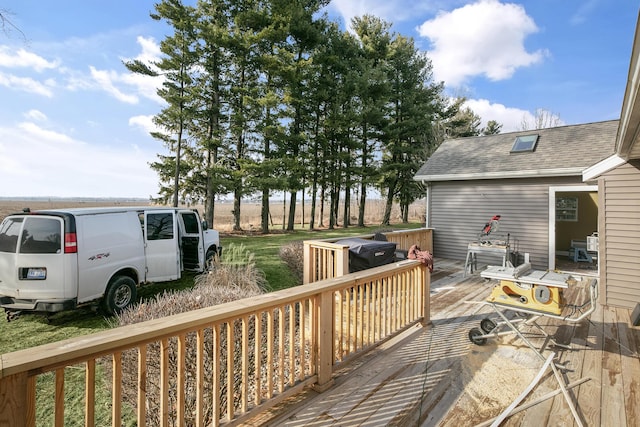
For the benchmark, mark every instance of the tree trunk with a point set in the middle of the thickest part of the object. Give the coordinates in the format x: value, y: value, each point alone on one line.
x: 312, y: 220
x: 237, y: 197
x: 322, y: 200
x: 292, y: 210
x: 176, y: 178
x: 209, y: 204
x: 333, y: 208
x: 346, y: 216
x: 386, y: 218
x: 264, y: 222
x: 363, y: 200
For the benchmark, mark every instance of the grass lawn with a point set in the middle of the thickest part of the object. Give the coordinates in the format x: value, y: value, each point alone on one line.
x: 32, y: 330
x: 266, y: 248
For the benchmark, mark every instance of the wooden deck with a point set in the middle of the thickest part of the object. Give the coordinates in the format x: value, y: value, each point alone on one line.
x: 435, y: 376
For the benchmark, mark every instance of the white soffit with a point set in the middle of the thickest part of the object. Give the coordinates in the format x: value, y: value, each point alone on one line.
x: 628, y: 138
x: 601, y: 167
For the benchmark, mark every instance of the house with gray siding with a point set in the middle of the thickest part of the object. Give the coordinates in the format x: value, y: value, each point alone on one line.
x: 554, y: 188
x: 618, y: 182
x: 539, y: 192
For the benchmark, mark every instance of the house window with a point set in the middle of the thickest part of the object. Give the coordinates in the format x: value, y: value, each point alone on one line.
x: 524, y: 143
x: 567, y: 209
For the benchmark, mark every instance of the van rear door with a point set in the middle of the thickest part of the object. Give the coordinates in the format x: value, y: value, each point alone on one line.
x: 161, y: 245
x: 191, y: 245
x: 33, y: 259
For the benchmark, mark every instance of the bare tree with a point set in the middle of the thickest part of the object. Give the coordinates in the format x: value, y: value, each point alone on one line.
x: 542, y: 119
x: 7, y: 26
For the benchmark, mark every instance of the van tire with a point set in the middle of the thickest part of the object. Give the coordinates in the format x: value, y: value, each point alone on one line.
x: 120, y: 295
x: 212, y: 252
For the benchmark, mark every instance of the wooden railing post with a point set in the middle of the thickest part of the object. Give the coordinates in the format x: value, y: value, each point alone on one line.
x: 325, y: 341
x: 14, y: 401
x: 307, y: 267
x: 342, y: 261
x: 426, y: 280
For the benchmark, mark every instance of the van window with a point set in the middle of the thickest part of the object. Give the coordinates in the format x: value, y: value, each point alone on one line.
x: 41, y: 236
x: 159, y: 226
x: 9, y: 234
x: 190, y: 223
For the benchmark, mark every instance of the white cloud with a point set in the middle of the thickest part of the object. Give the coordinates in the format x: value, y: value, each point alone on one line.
x: 512, y: 119
x: 46, y: 136
x: 106, y: 79
x: 27, y: 84
x: 36, y: 115
x: 127, y: 86
x: 483, y: 38
x: 144, y: 123
x: 150, y: 50
x: 390, y: 11
x: 35, y: 161
x: 77, y: 81
x: 584, y: 11
x: 146, y: 86
x: 24, y: 59
x: 121, y: 84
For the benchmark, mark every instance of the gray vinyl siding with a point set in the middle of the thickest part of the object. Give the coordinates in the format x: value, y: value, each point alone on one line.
x: 459, y: 210
x: 620, y: 239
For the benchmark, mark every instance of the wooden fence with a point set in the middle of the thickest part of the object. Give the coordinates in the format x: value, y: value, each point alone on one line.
x: 215, y: 366
x: 325, y: 259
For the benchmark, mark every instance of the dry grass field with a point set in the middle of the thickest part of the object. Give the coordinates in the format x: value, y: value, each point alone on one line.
x: 223, y: 218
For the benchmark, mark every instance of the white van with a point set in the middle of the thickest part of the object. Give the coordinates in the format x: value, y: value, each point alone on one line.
x: 55, y: 260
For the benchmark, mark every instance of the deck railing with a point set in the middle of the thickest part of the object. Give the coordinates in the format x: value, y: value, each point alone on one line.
x: 215, y: 366
x: 325, y: 259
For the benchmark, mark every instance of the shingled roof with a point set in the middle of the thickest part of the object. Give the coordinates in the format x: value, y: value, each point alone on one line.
x: 560, y: 151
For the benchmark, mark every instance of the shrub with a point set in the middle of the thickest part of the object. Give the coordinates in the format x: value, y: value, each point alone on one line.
x: 293, y: 256
x: 224, y: 282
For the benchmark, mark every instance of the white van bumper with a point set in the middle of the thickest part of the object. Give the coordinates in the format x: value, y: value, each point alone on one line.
x: 12, y: 304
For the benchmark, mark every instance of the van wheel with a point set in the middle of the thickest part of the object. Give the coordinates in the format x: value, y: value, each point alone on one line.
x: 120, y: 295
x: 212, y: 252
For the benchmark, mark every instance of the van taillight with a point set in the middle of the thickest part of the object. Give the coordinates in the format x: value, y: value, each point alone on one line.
x: 70, y: 243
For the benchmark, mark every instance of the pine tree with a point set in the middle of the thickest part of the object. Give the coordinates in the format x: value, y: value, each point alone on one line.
x: 373, y: 101
x: 415, y: 101
x: 176, y: 66
x: 212, y: 88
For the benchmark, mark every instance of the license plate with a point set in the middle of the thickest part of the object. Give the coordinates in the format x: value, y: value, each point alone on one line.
x: 37, y: 273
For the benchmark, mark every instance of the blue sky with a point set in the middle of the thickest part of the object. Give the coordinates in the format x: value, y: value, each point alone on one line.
x: 75, y: 123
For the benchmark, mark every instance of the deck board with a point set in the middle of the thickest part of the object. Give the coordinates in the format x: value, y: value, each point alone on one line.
x: 589, y: 394
x: 434, y: 376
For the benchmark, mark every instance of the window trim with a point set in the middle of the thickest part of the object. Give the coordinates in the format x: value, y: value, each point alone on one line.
x: 522, y: 144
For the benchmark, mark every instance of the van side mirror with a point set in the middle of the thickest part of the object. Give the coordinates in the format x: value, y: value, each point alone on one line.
x: 205, y: 225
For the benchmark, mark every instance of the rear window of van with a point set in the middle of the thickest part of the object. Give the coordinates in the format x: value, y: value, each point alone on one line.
x: 9, y: 232
x: 41, y: 236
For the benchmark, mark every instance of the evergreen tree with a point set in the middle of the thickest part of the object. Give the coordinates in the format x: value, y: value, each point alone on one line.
x: 267, y: 95
x: 330, y: 97
x: 372, y: 98
x: 305, y: 33
x: 492, y: 128
x: 414, y: 100
x: 175, y: 67
x: 212, y: 88
x: 266, y: 172
x: 244, y: 109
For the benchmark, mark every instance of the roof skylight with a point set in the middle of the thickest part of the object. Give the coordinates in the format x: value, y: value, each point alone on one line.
x: 524, y: 143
